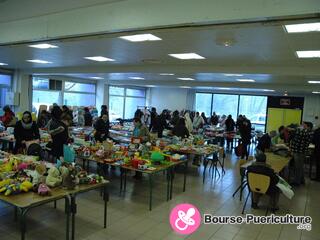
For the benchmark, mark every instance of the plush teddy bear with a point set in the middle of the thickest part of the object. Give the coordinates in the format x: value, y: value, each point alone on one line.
x: 53, y: 179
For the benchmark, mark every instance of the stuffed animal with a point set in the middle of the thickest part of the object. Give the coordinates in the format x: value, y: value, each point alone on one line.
x: 16, y: 188
x: 53, y: 179
x: 69, y: 181
x: 64, y: 171
x: 44, y: 190
x: 38, y: 174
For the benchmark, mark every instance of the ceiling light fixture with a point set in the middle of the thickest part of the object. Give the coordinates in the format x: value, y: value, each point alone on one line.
x: 43, y: 46
x: 38, y: 61
x: 136, y: 78
x: 99, y: 59
x: 233, y: 75
x: 185, y: 87
x: 185, y: 79
x: 315, y: 92
x: 314, y: 82
x: 223, y: 88
x: 150, y: 86
x: 141, y: 37
x: 166, y: 74
x: 3, y: 64
x: 268, y: 90
x: 303, y: 27
x: 308, y: 54
x: 245, y: 80
x: 186, y: 56
x: 98, y: 78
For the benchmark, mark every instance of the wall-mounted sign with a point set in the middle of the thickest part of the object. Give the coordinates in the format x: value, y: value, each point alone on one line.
x: 285, y: 102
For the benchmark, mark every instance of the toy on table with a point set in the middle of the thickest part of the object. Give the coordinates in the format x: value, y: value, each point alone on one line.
x: 44, y: 190
x: 53, y: 179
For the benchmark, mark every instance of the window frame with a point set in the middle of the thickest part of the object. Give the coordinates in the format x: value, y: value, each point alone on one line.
x: 238, y: 107
x: 63, y: 91
x: 124, y: 96
x: 8, y: 73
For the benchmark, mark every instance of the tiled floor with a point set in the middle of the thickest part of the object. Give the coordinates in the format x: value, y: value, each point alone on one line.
x: 129, y: 217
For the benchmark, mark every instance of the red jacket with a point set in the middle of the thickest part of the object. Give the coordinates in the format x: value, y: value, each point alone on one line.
x: 7, y: 118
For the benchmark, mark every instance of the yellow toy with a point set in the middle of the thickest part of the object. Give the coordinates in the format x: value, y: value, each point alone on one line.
x: 16, y: 188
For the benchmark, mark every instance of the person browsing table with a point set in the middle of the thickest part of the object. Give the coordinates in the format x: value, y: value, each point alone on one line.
x: 24, y: 131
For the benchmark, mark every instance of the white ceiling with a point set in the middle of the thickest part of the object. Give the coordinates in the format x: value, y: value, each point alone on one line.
x: 260, y: 51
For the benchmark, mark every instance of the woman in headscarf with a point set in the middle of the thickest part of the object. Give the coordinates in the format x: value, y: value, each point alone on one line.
x: 25, y: 130
x: 189, y: 124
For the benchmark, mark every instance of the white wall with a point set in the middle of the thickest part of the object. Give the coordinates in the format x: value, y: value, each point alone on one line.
x: 168, y: 98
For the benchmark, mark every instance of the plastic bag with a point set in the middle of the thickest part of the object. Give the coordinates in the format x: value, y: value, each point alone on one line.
x: 285, y: 188
x: 68, y: 153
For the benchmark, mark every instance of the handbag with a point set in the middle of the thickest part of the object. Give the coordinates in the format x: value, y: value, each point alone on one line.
x: 239, y: 150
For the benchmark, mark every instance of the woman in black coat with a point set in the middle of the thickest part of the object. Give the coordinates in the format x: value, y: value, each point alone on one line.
x: 25, y: 130
x: 102, y: 127
x: 180, y: 130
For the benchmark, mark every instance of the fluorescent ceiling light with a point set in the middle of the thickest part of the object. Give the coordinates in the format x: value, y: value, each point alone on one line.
x: 136, y: 78
x: 141, y: 37
x: 3, y: 64
x: 233, y: 75
x: 150, y: 86
x: 99, y: 59
x: 166, y: 74
x: 38, y: 61
x: 43, y: 46
x: 245, y: 80
x: 314, y: 82
x: 308, y: 54
x: 186, y: 56
x: 223, y: 88
x: 185, y: 87
x: 303, y: 27
x: 97, y: 78
x: 186, y: 79
x: 268, y: 90
x: 314, y: 92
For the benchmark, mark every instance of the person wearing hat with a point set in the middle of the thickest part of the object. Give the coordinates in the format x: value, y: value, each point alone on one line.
x: 261, y: 167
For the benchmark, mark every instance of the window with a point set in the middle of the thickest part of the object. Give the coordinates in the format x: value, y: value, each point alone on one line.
x: 203, y: 103
x: 79, y: 94
x: 48, y: 91
x: 5, y: 86
x: 80, y: 87
x: 123, y: 102
x: 225, y: 104
x: 79, y: 99
x: 254, y: 107
x: 41, y: 97
x: 131, y: 106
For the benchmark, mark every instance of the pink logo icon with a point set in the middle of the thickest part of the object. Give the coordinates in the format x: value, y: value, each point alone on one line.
x: 185, y: 218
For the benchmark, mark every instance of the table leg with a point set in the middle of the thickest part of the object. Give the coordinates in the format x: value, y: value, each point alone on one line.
x: 105, y: 199
x: 88, y: 162
x: 171, y: 182
x: 83, y: 163
x: 241, y: 189
x: 67, y: 211
x: 125, y: 180
x: 205, y: 164
x: 73, y: 213
x: 168, y: 183
x: 15, y: 218
x: 23, y: 222
x: 55, y: 204
x: 185, y: 176
x: 150, y: 188
x: 121, y: 179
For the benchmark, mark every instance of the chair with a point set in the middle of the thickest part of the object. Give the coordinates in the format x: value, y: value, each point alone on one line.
x: 243, y: 183
x: 19, y: 115
x: 258, y: 183
x: 213, y: 166
x: 34, y: 116
x: 222, y: 155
